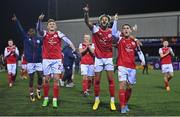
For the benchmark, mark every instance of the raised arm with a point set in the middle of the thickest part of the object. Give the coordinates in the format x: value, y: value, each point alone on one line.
x: 67, y: 40
x: 39, y: 26
x: 19, y: 26
x: 115, y: 33
x: 86, y: 17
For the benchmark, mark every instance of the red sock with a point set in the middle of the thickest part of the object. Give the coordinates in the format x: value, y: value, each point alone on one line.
x: 13, y: 78
x: 85, y: 84
x: 10, y: 78
x: 46, y: 89
x: 56, y: 90
x: 112, y: 87
x: 89, y: 83
x: 122, y: 97
x: 166, y: 83
x: 128, y: 94
x: 96, y: 88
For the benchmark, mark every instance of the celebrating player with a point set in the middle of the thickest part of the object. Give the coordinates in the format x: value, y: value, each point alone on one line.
x: 52, y: 57
x: 32, y: 51
x: 166, y: 54
x: 86, y: 49
x: 102, y: 39
x: 126, y: 62
x: 11, y: 54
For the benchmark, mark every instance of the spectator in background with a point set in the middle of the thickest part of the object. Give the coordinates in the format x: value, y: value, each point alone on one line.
x: 145, y: 66
x: 69, y: 58
x: 1, y: 62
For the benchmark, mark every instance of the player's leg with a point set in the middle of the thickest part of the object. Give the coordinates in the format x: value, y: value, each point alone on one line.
x: 9, y: 75
x: 31, y: 71
x: 84, y: 72
x: 98, y: 67
x: 57, y: 69
x: 31, y: 89
x: 90, y: 75
x: 170, y: 75
x: 39, y: 70
x: 46, y: 85
x: 110, y: 75
x: 39, y: 84
x: 170, y: 72
x: 109, y: 67
x: 122, y: 77
x: 166, y: 82
x: 46, y: 64
x: 14, y: 72
x: 56, y: 90
x: 69, y: 77
x: 97, y: 90
x: 131, y: 80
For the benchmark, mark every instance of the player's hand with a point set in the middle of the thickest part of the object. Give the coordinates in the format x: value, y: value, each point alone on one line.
x: 14, y: 18
x: 86, y: 9
x: 115, y: 17
x: 41, y: 17
x: 134, y: 28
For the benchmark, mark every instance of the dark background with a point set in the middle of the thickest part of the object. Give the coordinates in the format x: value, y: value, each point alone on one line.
x: 27, y: 12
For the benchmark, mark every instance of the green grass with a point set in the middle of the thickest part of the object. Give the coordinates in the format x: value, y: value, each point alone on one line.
x: 148, y: 98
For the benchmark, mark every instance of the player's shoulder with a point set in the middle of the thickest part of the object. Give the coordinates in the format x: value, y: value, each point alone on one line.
x: 60, y: 34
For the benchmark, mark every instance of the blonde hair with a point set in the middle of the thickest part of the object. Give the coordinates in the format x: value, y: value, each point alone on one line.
x: 50, y: 20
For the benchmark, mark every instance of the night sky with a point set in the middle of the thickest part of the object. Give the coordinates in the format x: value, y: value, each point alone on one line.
x: 27, y: 12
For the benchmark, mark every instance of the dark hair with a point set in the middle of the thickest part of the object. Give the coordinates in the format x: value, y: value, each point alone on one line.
x: 10, y: 39
x: 126, y: 25
x: 104, y: 15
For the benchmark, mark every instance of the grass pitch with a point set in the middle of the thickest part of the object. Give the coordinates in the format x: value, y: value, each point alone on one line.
x: 148, y: 98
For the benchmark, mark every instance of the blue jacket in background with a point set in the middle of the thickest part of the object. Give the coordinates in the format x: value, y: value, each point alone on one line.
x: 69, y: 56
x: 32, y: 46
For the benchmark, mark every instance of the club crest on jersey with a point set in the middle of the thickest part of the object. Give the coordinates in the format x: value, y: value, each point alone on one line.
x: 52, y: 42
x: 38, y: 41
x: 109, y: 35
x: 133, y: 43
x: 55, y: 36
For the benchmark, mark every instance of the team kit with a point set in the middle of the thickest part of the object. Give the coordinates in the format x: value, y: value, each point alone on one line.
x: 43, y: 55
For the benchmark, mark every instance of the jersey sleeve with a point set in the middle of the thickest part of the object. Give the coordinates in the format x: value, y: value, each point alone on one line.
x: 160, y: 51
x: 6, y: 53
x: 17, y: 51
x: 64, y: 38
